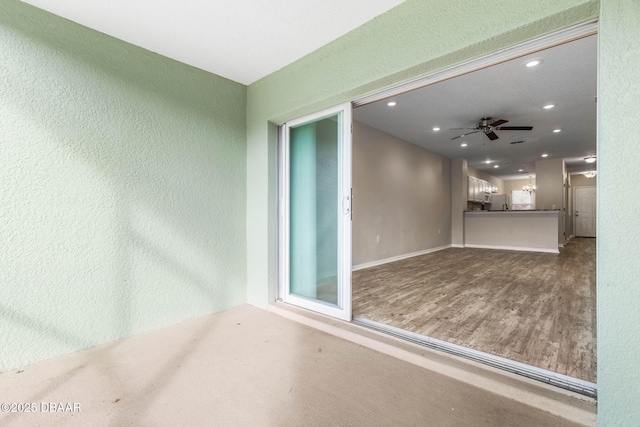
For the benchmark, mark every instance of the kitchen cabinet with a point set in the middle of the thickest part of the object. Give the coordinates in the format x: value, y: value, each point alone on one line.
x: 472, y: 185
x: 477, y: 189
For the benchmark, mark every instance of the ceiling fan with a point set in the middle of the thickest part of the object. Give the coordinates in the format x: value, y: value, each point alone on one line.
x: 488, y: 127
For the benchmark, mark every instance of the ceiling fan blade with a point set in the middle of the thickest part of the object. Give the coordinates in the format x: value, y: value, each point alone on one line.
x: 515, y: 128
x: 465, y: 134
x: 499, y: 122
x: 462, y: 128
x: 492, y: 135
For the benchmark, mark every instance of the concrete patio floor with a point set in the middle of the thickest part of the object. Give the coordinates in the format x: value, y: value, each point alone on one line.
x: 249, y: 367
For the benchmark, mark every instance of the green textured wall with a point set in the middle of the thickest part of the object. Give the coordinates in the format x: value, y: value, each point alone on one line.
x: 420, y: 37
x: 618, y: 208
x: 122, y: 174
x: 122, y: 182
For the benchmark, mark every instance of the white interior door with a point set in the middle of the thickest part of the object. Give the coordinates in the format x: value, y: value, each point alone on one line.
x: 316, y: 212
x: 585, y: 211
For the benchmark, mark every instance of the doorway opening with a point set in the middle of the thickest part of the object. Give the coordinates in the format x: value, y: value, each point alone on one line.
x: 463, y: 225
x: 430, y: 159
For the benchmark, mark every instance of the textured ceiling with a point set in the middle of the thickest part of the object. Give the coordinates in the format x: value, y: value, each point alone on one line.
x: 511, y: 91
x: 240, y: 40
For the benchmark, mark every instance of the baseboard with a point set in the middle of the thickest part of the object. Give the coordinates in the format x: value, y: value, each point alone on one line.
x: 514, y: 248
x: 397, y: 258
x: 457, y: 245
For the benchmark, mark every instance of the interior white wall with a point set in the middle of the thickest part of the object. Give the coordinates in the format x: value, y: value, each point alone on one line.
x: 579, y: 180
x: 549, y: 183
x: 566, y: 220
x: 550, y: 188
x: 459, y: 196
x: 401, y: 197
x: 517, y: 184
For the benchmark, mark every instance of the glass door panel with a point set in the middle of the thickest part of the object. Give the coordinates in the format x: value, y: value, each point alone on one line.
x: 317, y: 212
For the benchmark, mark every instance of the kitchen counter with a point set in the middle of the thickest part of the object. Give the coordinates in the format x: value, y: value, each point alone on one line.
x: 520, y: 211
x: 530, y: 230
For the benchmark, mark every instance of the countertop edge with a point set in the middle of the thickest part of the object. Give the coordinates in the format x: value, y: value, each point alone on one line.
x: 549, y: 211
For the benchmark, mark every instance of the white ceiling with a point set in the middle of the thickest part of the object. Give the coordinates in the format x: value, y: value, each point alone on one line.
x: 510, y: 91
x: 242, y: 40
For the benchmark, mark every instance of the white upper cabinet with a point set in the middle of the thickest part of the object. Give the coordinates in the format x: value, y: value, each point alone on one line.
x: 477, y: 188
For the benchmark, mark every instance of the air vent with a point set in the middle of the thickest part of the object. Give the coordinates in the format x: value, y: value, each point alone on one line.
x: 516, y: 142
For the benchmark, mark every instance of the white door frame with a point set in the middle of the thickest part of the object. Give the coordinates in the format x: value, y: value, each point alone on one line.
x: 567, y: 35
x: 343, y: 203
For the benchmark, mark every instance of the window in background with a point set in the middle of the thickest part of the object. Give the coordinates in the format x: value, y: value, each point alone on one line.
x: 522, y: 200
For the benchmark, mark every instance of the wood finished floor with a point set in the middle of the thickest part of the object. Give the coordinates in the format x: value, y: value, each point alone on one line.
x: 535, y: 308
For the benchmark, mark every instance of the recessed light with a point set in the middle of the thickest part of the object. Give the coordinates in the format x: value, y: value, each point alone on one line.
x: 548, y: 106
x: 557, y: 130
x: 488, y: 161
x: 533, y: 63
x: 464, y: 144
x: 545, y: 155
x: 436, y: 129
x: 393, y: 104
x: 590, y: 159
x: 520, y: 170
x: 496, y: 166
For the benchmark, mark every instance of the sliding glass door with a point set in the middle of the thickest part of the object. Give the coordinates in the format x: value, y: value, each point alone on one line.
x: 315, y: 212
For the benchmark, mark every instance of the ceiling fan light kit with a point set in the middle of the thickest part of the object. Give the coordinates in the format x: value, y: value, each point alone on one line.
x: 488, y: 127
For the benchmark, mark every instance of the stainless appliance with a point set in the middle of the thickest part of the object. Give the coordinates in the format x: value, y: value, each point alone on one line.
x: 500, y: 202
